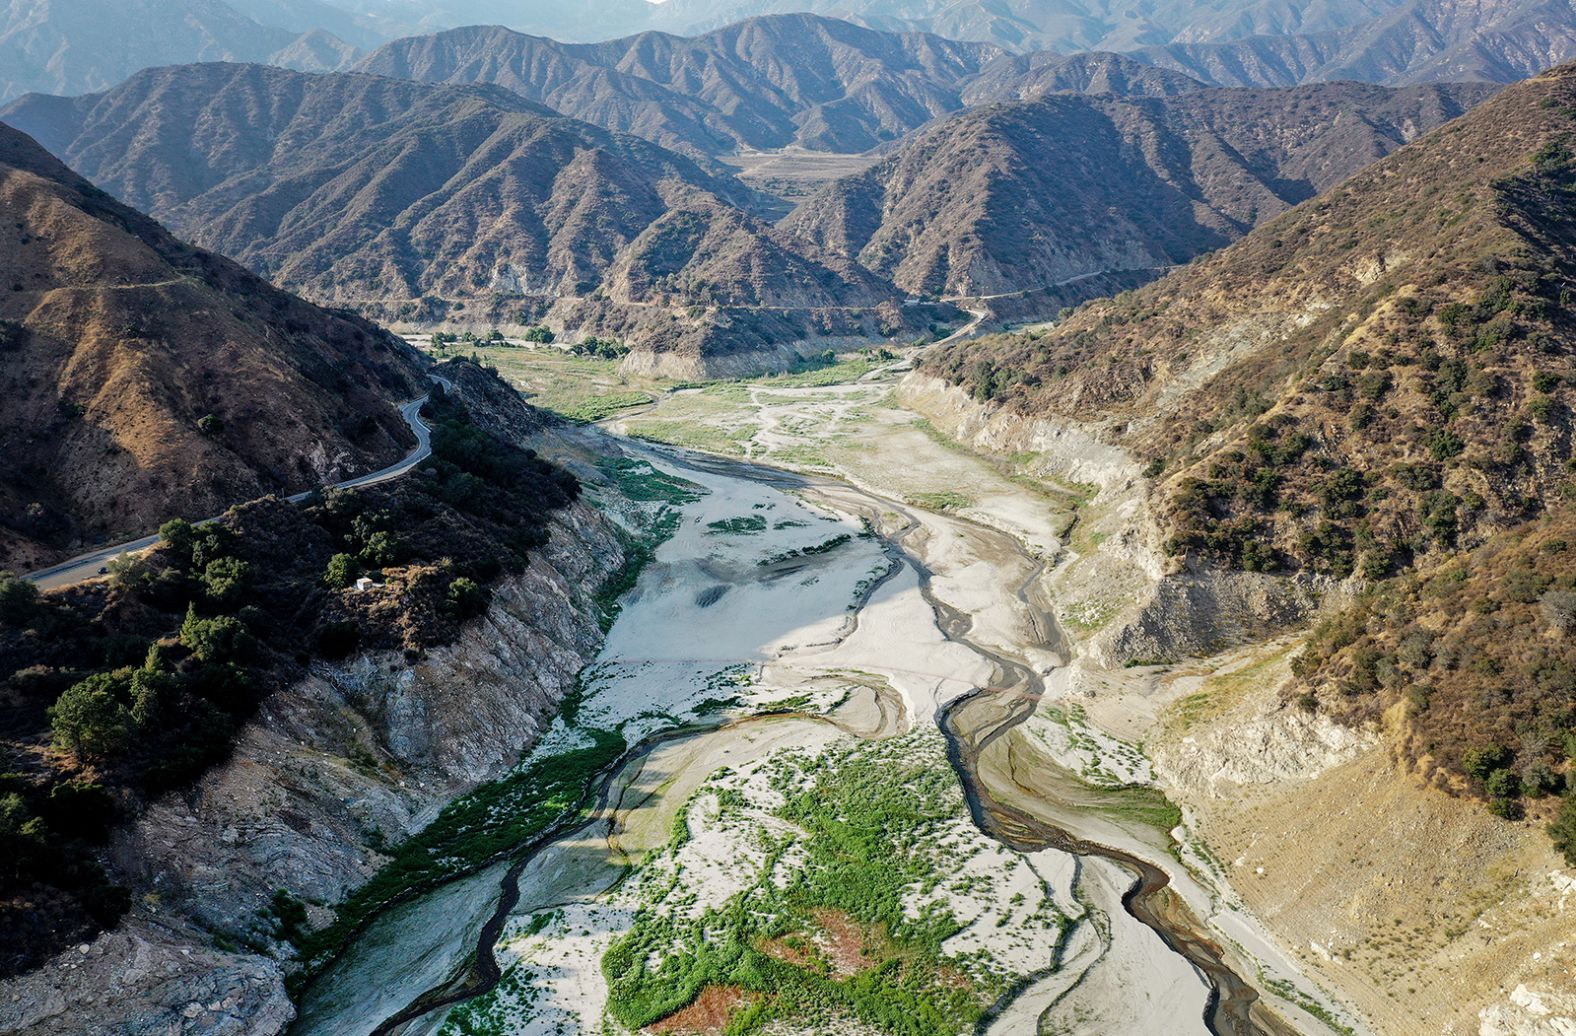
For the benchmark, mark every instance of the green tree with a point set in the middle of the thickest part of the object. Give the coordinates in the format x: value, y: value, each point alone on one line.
x: 224, y: 579
x: 342, y: 571
x: 539, y: 334
x: 89, y: 720
x: 212, y: 639
x: 210, y: 543
x: 1480, y: 762
x: 1563, y: 828
x: 18, y: 600
x: 149, y: 692
x: 178, y: 533
x: 466, y: 597
x: 381, y: 548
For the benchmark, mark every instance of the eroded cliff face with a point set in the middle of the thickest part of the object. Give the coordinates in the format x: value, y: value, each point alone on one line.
x: 1118, y: 589
x: 353, y: 758
x: 1428, y: 914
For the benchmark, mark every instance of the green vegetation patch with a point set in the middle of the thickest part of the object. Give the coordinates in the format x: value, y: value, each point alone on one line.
x: 639, y: 551
x: 946, y: 501
x: 598, y: 408
x: 640, y: 481
x: 867, y: 816
x: 490, y: 823
x: 824, y: 547
x: 744, y: 526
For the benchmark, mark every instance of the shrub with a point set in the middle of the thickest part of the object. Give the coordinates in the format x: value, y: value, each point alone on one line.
x: 466, y: 598
x: 210, y: 424
x: 539, y: 334
x: 342, y: 571
x: 1559, y: 609
x: 1538, y: 778
x: 1563, y: 828
x: 1444, y: 444
x: 18, y: 600
x: 1503, y: 784
x: 224, y: 579
x: 382, y: 548
x: 1506, y: 809
x: 212, y: 640
x: 1480, y: 762
x: 88, y: 720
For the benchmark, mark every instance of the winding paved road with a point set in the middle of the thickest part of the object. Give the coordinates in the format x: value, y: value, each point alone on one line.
x: 86, y: 566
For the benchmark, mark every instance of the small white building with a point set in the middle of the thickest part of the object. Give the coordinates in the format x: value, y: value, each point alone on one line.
x: 364, y: 584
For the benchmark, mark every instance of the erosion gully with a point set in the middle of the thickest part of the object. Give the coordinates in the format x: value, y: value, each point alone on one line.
x: 977, y: 726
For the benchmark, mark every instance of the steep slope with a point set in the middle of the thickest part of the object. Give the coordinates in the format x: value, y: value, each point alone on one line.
x: 72, y: 46
x: 146, y: 379
x: 1376, y: 383
x: 1018, y: 198
x: 1420, y: 42
x: 762, y: 83
x: 417, y: 201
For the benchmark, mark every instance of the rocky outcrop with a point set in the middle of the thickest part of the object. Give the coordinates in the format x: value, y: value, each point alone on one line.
x: 352, y: 758
x: 1528, y: 1012
x: 149, y: 978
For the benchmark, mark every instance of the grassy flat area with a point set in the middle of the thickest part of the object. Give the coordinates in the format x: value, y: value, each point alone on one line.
x: 587, y: 389
x: 581, y: 388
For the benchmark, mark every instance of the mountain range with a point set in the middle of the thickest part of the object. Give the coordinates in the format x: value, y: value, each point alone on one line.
x: 74, y: 46
x: 145, y: 378
x: 1423, y: 41
x: 1016, y: 198
x: 418, y: 201
x: 765, y: 83
x: 881, y: 86
x: 780, y: 81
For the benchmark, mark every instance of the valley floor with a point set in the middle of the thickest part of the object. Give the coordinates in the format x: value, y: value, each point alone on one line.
x: 785, y: 843
x: 1335, y: 918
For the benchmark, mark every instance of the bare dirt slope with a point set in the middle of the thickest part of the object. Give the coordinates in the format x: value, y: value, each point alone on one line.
x: 146, y: 379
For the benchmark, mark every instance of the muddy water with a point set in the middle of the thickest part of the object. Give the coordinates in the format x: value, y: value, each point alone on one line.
x: 984, y: 739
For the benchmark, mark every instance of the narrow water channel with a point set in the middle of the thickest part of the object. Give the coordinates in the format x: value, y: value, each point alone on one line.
x: 977, y: 726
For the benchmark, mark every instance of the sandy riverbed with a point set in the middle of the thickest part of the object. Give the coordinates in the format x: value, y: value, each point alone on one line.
x: 776, y: 596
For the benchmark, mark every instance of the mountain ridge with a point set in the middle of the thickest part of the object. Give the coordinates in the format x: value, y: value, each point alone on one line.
x: 138, y: 366
x: 421, y: 202
x: 1013, y: 198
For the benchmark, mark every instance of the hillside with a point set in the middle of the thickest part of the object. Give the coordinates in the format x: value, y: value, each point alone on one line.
x: 146, y: 379
x: 1020, y: 197
x: 427, y: 202
x: 1376, y: 383
x: 760, y: 84
x: 55, y: 47
x: 1423, y: 41
x: 780, y: 81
